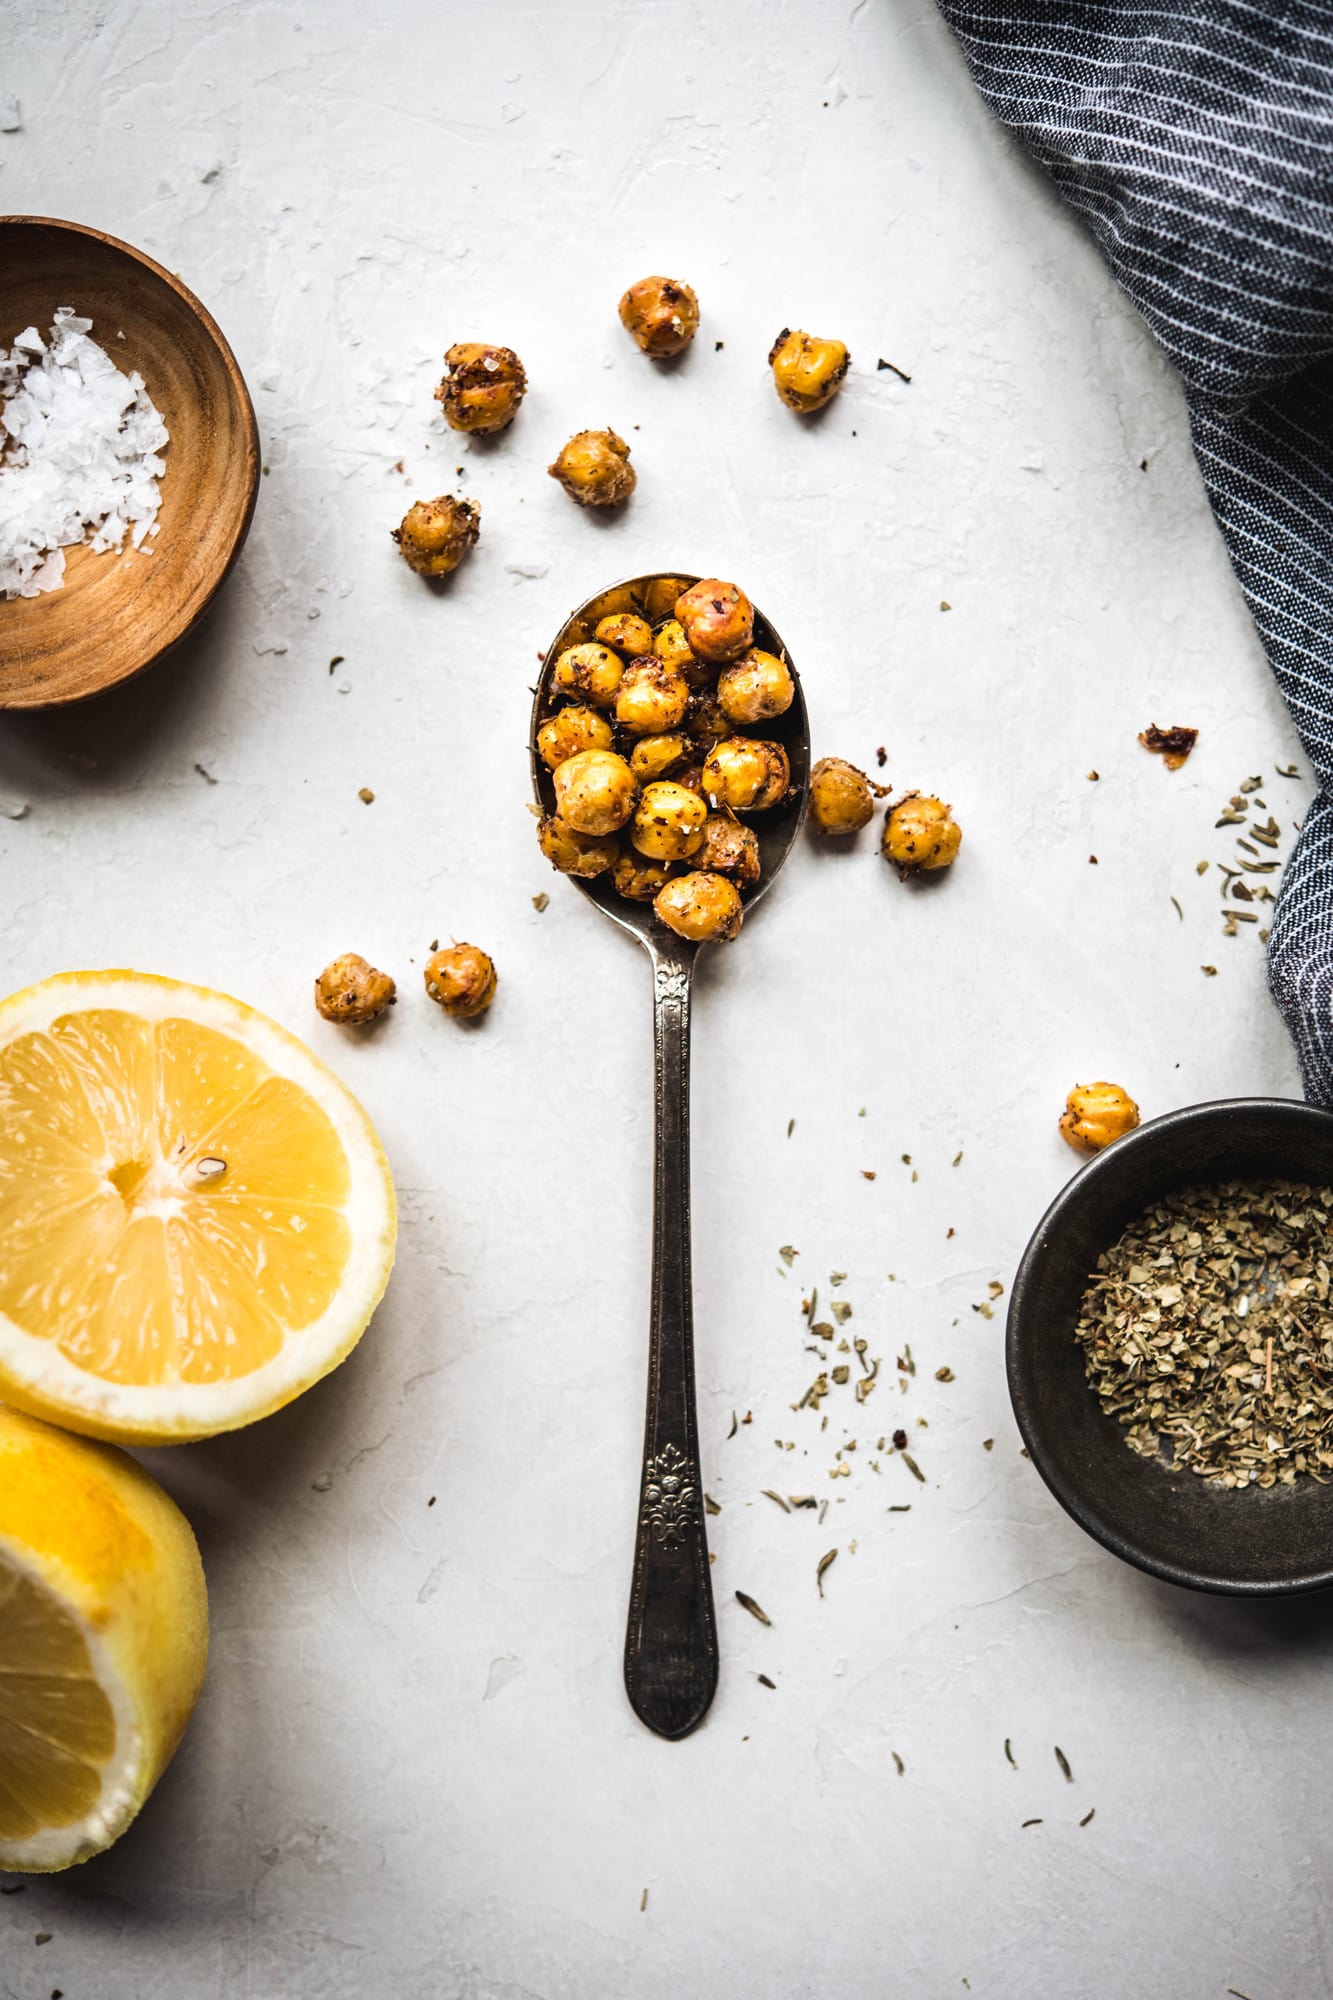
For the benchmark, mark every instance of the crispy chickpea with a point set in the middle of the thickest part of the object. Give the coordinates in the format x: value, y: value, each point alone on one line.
x: 840, y: 797
x: 669, y: 821
x: 659, y: 600
x: 594, y: 469
x: 707, y: 722
x: 662, y: 314
x: 582, y: 854
x: 807, y: 371
x: 653, y: 698
x: 755, y: 687
x: 435, y: 535
x: 700, y: 906
x: 746, y: 774
x: 671, y: 645
x: 629, y: 635
x: 637, y: 879
x: 462, y: 979
x: 351, y: 991
x: 717, y: 619
x: 653, y: 756
x: 729, y: 849
x: 482, y: 387
x: 1095, y: 1115
x: 591, y: 671
x: 595, y: 791
x: 920, y: 835
x: 570, y: 730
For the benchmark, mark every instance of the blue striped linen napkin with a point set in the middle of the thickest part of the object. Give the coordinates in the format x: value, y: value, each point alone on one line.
x: 1196, y: 141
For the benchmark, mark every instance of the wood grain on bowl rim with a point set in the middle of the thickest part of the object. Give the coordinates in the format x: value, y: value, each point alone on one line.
x: 120, y: 612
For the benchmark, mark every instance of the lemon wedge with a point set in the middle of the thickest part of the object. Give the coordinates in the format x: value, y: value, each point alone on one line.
x: 196, y: 1217
x: 103, y: 1638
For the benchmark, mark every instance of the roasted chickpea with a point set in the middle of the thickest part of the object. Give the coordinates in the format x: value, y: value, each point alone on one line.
x: 659, y: 599
x: 591, y: 671
x: 653, y: 756
x: 662, y: 314
x: 1095, y: 1115
x: 746, y: 774
x: 653, y: 698
x: 462, y: 979
x: 351, y: 991
x: 840, y: 797
x: 570, y: 730
x: 729, y: 849
x: 717, y: 619
x: 755, y: 687
x: 583, y: 854
x: 669, y: 821
x: 435, y: 535
x: 707, y: 722
x: 920, y: 835
x: 594, y: 791
x: 671, y: 645
x: 630, y: 635
x: 700, y: 906
x: 594, y: 469
x: 807, y: 371
x: 482, y: 387
x: 637, y: 879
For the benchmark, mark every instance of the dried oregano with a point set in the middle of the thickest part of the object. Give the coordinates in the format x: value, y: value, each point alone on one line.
x: 1207, y: 1332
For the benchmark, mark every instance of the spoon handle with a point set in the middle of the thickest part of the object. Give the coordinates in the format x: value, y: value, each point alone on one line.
x: 671, y: 1644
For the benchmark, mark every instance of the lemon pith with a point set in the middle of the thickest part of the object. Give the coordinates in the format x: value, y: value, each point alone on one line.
x: 103, y: 1641
x: 196, y: 1217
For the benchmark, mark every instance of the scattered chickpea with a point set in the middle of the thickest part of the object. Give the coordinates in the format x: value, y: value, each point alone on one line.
x: 700, y: 907
x: 581, y: 854
x: 435, y: 535
x: 638, y: 879
x: 920, y: 835
x: 570, y: 730
x: 628, y: 634
x: 653, y: 698
x: 653, y: 756
x: 729, y: 849
x: 746, y: 774
x: 662, y: 314
x: 755, y: 687
x: 807, y: 371
x: 717, y: 619
x: 841, y: 800
x: 351, y: 991
x: 594, y: 469
x: 482, y: 387
x: 462, y: 979
x: 595, y: 791
x: 668, y: 824
x: 590, y: 671
x: 1097, y: 1114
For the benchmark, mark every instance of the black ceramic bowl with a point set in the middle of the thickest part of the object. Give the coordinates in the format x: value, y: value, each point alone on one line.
x: 1241, y: 1541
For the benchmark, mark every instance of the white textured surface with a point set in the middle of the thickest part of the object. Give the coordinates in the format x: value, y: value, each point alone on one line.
x: 413, y: 1771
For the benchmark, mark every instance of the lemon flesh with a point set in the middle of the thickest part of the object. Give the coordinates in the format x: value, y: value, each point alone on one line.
x: 196, y: 1217
x: 103, y: 1641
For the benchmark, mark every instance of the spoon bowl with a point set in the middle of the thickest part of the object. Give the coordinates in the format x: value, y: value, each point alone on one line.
x: 671, y: 1651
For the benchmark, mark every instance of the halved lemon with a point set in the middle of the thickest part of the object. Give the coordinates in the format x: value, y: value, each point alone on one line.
x: 103, y: 1639
x: 196, y: 1217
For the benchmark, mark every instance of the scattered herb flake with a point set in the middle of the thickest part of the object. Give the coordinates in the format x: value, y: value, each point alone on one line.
x: 824, y: 1563
x: 755, y: 1610
x: 1009, y: 1753
x: 765, y: 1682
x: 710, y: 1505
x: 1063, y: 1762
x: 540, y: 901
x: 1088, y: 1816
x: 769, y: 1494
x: 901, y: 1767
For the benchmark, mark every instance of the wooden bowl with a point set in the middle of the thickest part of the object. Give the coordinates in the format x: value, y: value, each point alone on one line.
x: 118, y: 612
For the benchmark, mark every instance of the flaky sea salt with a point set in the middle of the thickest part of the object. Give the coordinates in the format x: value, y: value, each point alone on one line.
x: 80, y: 454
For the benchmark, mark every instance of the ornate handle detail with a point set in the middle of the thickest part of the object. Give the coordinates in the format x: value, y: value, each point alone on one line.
x: 671, y: 1659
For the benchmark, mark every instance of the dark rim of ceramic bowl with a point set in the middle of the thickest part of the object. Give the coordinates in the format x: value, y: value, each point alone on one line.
x: 1074, y: 1449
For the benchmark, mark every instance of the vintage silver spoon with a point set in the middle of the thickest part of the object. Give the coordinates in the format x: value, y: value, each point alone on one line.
x: 671, y: 1654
